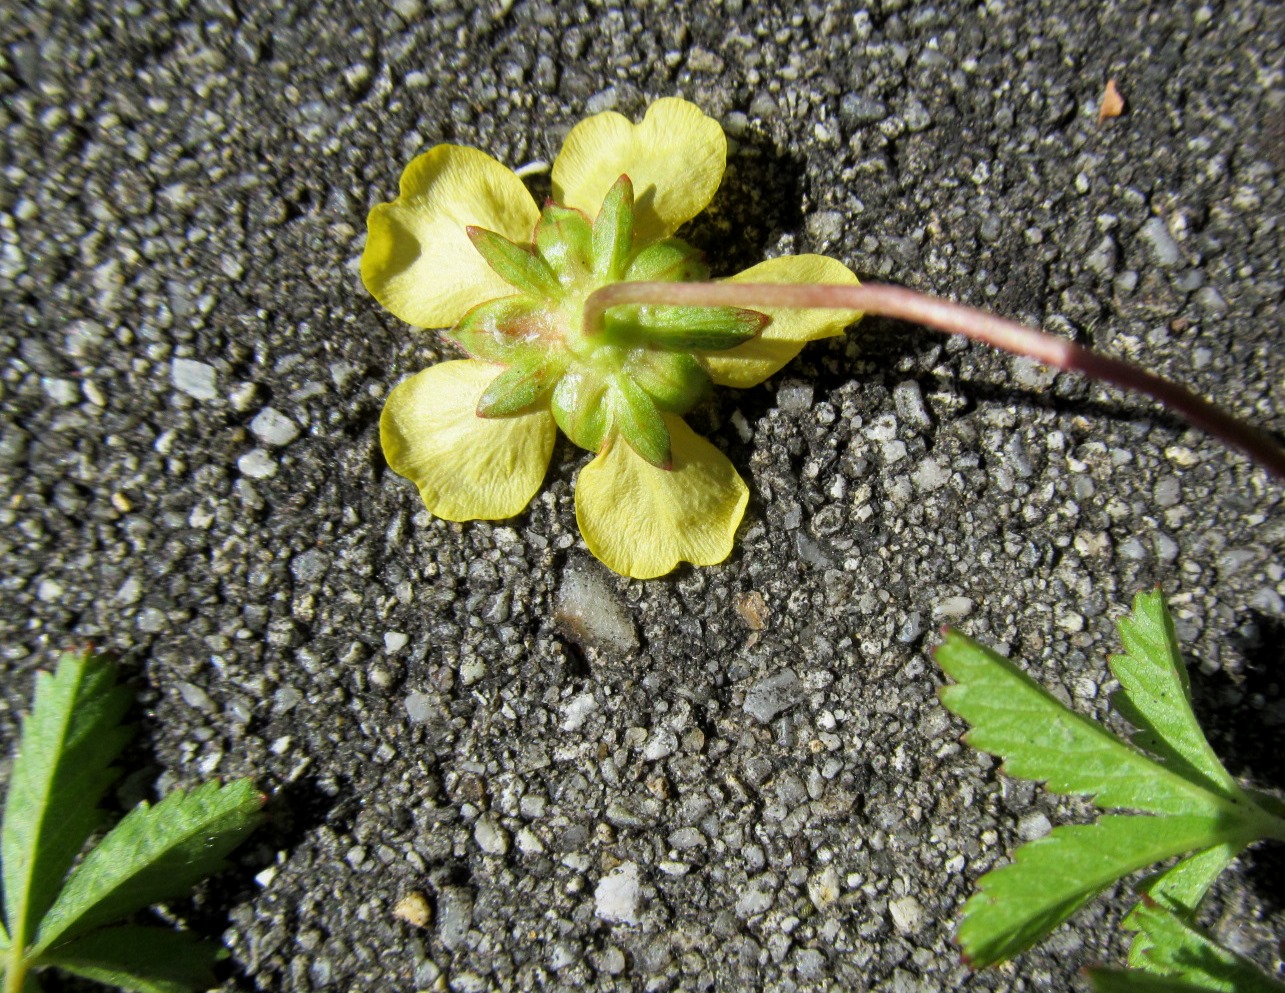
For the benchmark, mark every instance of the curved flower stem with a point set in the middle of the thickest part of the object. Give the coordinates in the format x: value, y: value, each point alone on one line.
x: 897, y: 301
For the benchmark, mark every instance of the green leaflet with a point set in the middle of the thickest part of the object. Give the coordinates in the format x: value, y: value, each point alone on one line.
x: 1038, y: 738
x: 1179, y: 888
x: 1155, y: 695
x: 59, y: 775
x: 1180, y: 952
x: 141, y: 959
x: 61, y: 770
x: 153, y: 854
x: 1196, y: 804
x: 1051, y: 878
x: 1131, y: 981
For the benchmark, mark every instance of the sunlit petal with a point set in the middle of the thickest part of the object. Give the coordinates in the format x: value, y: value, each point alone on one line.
x: 418, y: 261
x: 750, y: 363
x: 466, y: 467
x: 675, y: 159
x: 642, y: 521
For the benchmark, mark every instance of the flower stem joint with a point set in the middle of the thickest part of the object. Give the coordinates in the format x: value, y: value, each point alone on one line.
x: 456, y: 249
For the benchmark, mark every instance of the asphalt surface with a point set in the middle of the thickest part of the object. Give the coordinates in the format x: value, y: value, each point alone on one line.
x: 735, y: 777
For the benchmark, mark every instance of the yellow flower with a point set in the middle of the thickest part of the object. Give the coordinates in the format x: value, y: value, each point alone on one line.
x: 475, y: 435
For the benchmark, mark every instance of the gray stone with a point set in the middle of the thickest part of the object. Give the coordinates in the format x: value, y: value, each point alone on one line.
x: 588, y: 609
x: 795, y: 396
x: 907, y: 914
x: 773, y: 695
x: 454, y: 915
x: 857, y: 108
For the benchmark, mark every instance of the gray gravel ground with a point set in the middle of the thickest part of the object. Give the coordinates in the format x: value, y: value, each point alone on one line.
x: 732, y: 778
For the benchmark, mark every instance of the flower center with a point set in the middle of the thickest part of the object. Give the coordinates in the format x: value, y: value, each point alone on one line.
x: 646, y: 361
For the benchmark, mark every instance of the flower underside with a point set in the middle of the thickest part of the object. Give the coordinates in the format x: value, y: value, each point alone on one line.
x: 642, y: 365
x: 464, y: 246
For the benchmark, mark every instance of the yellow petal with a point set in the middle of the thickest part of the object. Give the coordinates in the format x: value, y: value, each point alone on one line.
x: 750, y: 363
x: 466, y: 467
x: 642, y: 521
x: 675, y: 159
x: 418, y: 261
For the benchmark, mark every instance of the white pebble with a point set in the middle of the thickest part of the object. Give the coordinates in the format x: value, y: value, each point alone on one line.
x: 490, y: 836
x: 257, y: 464
x: 272, y: 427
x: 196, y: 379
x: 618, y: 896
x: 907, y: 914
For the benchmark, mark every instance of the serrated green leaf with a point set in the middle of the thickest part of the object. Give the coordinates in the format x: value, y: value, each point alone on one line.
x: 1041, y: 739
x: 1155, y: 695
x: 1184, y: 952
x: 1049, y: 879
x: 1179, y: 888
x: 1132, y: 981
x: 140, y: 959
x: 59, y: 774
x: 153, y: 854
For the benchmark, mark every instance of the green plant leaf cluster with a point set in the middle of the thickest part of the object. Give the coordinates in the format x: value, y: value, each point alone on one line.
x: 61, y: 913
x: 1186, y: 802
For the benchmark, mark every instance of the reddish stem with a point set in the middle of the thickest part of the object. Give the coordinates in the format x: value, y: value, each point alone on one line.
x: 953, y: 318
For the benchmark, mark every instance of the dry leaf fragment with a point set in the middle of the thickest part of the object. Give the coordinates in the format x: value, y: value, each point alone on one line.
x: 753, y: 610
x: 1112, y: 102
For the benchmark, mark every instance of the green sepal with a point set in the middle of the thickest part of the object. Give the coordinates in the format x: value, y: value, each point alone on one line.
x: 707, y: 329
x: 578, y: 407
x: 638, y: 421
x: 613, y: 232
x: 519, y: 386
x: 564, y: 240
x: 500, y: 330
x: 517, y: 265
x: 670, y: 260
x: 676, y: 381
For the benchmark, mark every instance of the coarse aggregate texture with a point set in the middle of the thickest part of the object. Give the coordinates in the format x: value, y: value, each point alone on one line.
x: 735, y: 777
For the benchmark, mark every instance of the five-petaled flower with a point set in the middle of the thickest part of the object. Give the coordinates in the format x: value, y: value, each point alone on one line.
x: 465, y: 247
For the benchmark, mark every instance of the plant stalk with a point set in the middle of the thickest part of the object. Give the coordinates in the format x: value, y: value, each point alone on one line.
x: 15, y: 971
x: 953, y: 318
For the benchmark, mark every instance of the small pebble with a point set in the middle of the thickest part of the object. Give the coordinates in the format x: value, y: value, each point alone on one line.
x: 773, y: 695
x: 490, y: 836
x: 907, y: 914
x: 257, y: 464
x: 272, y: 427
x: 414, y: 909
x: 196, y: 379
x: 618, y: 896
x: 1155, y: 235
x: 419, y: 707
